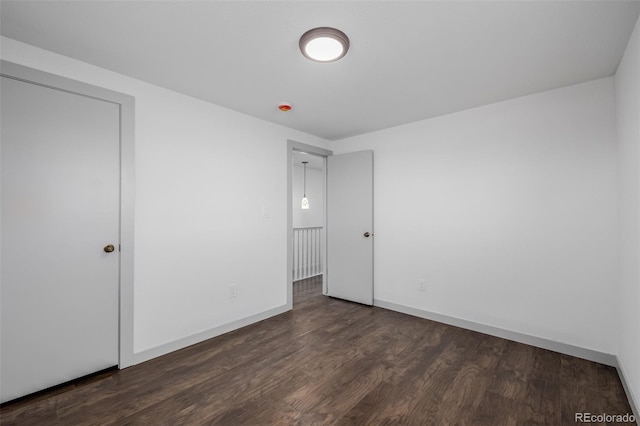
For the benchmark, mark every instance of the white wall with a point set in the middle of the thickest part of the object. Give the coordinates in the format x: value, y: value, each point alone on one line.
x: 315, y: 215
x: 203, y: 174
x: 627, y: 85
x: 508, y: 211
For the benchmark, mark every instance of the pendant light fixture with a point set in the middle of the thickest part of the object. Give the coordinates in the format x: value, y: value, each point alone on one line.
x: 305, y: 202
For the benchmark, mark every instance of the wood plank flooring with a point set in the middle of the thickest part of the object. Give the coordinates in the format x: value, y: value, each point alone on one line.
x: 330, y: 362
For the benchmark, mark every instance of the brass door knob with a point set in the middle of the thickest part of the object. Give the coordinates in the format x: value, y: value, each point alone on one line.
x: 109, y: 248
x: 367, y: 235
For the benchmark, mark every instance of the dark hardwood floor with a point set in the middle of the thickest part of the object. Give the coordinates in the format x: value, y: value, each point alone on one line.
x: 335, y: 362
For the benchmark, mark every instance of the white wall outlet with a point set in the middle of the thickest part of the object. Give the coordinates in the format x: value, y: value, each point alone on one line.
x: 233, y: 291
x: 422, y: 285
x: 265, y: 212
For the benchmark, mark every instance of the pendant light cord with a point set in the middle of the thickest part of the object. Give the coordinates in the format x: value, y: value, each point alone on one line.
x: 304, y: 190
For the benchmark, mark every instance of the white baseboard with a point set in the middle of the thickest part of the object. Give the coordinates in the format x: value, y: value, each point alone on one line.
x: 629, y: 391
x: 166, y: 348
x: 564, y: 348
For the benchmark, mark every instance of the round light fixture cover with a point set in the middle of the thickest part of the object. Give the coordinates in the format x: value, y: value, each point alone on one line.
x: 324, y: 44
x: 284, y: 106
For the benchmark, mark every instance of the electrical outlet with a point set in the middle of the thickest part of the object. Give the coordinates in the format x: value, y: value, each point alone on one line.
x: 233, y: 291
x: 422, y: 285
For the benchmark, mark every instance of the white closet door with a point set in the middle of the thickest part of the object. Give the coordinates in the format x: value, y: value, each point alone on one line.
x: 59, y: 210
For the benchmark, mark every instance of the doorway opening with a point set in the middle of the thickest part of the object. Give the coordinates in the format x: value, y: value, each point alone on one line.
x: 306, y: 243
x: 346, y: 245
x: 308, y: 216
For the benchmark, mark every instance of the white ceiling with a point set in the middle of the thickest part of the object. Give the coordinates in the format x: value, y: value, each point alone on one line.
x: 408, y: 60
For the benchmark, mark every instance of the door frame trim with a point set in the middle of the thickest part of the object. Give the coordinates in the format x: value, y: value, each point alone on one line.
x: 127, y: 196
x: 311, y: 149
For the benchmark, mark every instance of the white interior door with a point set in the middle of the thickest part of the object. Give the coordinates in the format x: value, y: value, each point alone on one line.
x: 350, y: 226
x: 59, y: 210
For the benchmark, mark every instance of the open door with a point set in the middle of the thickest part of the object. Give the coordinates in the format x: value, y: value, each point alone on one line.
x: 350, y: 226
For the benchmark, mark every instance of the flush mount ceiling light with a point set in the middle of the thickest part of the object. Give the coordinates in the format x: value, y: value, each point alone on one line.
x: 324, y: 44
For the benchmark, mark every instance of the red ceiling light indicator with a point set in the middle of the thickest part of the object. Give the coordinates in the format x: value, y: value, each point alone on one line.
x: 284, y: 106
